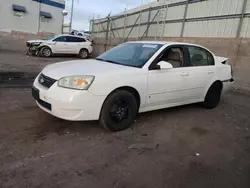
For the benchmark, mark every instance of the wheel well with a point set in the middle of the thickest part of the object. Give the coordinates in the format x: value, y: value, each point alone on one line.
x: 45, y: 46
x: 131, y: 90
x: 84, y: 49
x: 219, y: 82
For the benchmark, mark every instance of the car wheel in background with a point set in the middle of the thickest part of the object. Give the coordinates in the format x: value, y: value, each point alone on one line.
x: 79, y: 34
x: 119, y: 111
x: 46, y: 52
x: 83, y: 53
x: 213, y: 96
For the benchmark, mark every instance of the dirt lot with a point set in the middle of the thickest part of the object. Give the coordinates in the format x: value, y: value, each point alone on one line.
x: 17, y: 61
x: 183, y: 147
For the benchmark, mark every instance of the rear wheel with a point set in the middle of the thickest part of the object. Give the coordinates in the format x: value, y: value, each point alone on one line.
x: 83, y: 54
x: 118, y: 111
x: 213, y: 96
x: 46, y: 52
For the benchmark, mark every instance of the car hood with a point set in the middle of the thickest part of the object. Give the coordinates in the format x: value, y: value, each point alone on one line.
x: 33, y: 41
x: 84, y: 67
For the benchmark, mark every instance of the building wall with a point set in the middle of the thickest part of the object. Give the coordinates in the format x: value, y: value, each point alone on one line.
x: 30, y: 22
x: 55, y: 24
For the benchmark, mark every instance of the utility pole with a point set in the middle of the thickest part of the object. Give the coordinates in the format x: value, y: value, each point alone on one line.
x: 139, y: 25
x: 38, y: 21
x: 71, y: 14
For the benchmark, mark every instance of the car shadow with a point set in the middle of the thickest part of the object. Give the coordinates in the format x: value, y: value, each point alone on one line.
x: 169, y: 111
x: 48, y: 124
x: 72, y: 56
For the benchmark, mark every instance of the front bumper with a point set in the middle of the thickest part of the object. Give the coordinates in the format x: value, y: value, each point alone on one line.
x: 68, y: 104
x: 33, y: 49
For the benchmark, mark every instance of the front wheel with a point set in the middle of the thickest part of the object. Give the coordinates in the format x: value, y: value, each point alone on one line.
x: 213, y: 96
x: 46, y: 52
x: 118, y: 111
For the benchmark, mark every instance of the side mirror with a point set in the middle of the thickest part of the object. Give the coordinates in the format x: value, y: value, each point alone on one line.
x: 165, y: 65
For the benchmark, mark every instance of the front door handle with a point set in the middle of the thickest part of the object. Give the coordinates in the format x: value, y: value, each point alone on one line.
x: 184, y: 74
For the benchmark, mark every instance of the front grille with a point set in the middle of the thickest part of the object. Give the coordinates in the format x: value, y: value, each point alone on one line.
x: 46, y: 81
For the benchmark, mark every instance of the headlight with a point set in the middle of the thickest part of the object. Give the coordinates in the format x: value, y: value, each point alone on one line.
x: 36, y: 43
x: 76, y: 82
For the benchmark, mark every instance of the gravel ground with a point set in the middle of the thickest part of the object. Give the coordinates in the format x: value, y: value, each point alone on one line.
x: 182, y: 147
x: 19, y: 62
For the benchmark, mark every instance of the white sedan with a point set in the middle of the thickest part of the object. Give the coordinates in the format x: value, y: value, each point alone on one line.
x: 61, y: 44
x: 130, y: 78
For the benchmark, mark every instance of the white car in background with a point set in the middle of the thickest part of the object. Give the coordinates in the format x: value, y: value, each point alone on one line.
x: 81, y: 33
x: 85, y: 34
x: 130, y: 78
x: 61, y: 44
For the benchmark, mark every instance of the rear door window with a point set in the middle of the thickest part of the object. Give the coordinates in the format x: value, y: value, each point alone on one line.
x: 80, y: 39
x: 75, y: 39
x: 61, y: 39
x: 199, y: 57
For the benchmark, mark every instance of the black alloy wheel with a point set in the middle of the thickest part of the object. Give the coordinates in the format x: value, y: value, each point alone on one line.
x: 213, y: 96
x: 119, y: 111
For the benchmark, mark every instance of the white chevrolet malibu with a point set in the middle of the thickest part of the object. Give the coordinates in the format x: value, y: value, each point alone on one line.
x: 130, y: 78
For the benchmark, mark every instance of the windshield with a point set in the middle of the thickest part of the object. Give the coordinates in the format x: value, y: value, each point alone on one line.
x: 130, y: 54
x: 49, y: 38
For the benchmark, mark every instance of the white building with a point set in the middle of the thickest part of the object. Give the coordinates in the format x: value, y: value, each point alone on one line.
x: 31, y: 16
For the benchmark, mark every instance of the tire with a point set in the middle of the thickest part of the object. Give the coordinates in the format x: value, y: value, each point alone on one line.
x: 46, y: 52
x: 83, y: 54
x: 119, y: 111
x: 30, y: 52
x: 213, y: 96
x: 79, y: 34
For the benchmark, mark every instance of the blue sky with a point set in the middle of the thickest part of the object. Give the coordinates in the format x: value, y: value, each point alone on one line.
x: 83, y: 9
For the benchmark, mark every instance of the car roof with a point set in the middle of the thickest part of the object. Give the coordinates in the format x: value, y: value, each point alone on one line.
x: 68, y: 35
x: 165, y: 42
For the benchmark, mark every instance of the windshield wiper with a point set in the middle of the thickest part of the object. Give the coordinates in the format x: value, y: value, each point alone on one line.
x: 115, y: 62
x: 109, y: 61
x: 100, y: 59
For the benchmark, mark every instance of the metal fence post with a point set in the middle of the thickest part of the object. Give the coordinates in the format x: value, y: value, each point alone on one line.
x: 241, y: 18
x: 125, y: 24
x: 107, y: 34
x: 133, y: 26
x: 149, y: 23
x: 184, y: 19
x: 149, y: 17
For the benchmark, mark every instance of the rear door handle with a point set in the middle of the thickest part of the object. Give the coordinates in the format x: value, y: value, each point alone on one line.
x: 184, y: 74
x: 210, y: 72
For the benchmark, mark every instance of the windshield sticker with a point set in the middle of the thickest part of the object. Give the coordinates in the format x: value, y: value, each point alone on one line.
x: 149, y: 46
